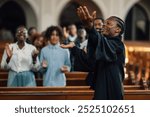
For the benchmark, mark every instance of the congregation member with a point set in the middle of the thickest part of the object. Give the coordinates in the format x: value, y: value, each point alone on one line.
x: 54, y: 59
x: 39, y: 43
x: 82, y: 37
x: 20, y: 59
x: 85, y: 59
x: 31, y: 32
x: 70, y: 35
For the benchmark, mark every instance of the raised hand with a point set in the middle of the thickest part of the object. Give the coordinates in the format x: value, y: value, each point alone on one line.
x: 65, y: 33
x: 85, y: 16
x: 8, y: 50
x: 70, y: 45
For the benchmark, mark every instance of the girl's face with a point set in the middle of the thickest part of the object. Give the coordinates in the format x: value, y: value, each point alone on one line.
x: 21, y: 34
x: 39, y: 42
x: 54, y: 39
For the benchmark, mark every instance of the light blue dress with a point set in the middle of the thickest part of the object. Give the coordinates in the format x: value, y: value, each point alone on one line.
x: 56, y: 57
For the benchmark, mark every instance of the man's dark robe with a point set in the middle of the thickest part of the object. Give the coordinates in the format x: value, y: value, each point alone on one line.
x: 109, y: 69
x: 84, y: 64
x: 72, y: 58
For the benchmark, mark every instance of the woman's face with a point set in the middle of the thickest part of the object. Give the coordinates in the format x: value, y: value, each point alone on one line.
x: 39, y: 42
x: 21, y: 34
x: 54, y: 39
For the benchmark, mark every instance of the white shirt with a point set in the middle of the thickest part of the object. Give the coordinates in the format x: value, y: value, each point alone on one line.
x: 72, y: 38
x: 21, y: 59
x: 84, y: 44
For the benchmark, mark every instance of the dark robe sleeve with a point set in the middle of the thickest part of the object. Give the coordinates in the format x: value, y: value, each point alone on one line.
x: 81, y: 59
x: 84, y: 64
x: 106, y: 48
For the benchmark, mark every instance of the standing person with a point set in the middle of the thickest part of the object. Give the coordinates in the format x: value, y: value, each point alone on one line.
x: 20, y: 58
x: 31, y: 32
x: 85, y: 60
x: 57, y: 59
x: 110, y: 55
x: 39, y: 43
x: 98, y: 24
x: 70, y: 35
x: 82, y: 37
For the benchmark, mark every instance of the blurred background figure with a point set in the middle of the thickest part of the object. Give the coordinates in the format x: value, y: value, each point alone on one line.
x: 98, y: 24
x: 31, y: 32
x: 70, y: 34
x: 82, y: 36
x: 38, y: 41
x: 6, y: 35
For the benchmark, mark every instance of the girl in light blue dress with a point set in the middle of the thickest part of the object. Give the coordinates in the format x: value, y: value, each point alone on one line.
x: 55, y: 59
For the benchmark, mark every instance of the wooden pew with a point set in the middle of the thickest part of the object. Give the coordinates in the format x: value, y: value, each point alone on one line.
x: 70, y: 82
x: 133, y: 87
x: 3, y: 83
x: 76, y: 78
x: 73, y: 75
x: 137, y: 95
x: 63, y: 93
x: 77, y: 75
x: 44, y: 88
x: 47, y: 93
x: 73, y: 79
x: 3, y: 70
x: 3, y: 75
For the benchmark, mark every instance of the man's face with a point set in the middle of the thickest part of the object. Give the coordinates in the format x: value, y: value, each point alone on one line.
x: 33, y: 32
x: 109, y: 27
x: 82, y: 33
x: 54, y: 39
x: 98, y: 24
x: 72, y: 30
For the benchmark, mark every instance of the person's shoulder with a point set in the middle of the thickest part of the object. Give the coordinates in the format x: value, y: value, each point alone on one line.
x: 12, y: 45
x: 66, y: 51
x: 44, y: 48
x: 120, y: 44
x: 31, y: 46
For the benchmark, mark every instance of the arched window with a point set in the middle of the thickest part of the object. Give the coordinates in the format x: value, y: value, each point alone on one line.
x: 11, y: 16
x: 137, y: 24
x: 69, y: 16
